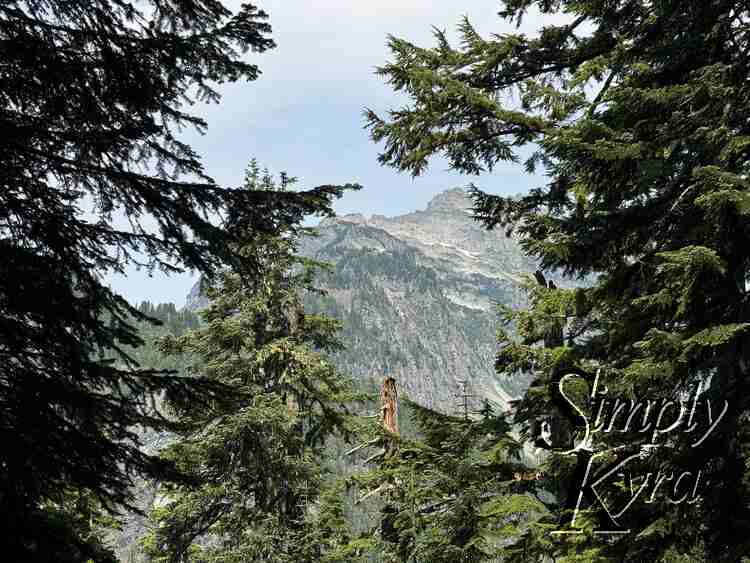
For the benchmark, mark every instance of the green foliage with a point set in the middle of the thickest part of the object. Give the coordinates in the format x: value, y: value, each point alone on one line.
x: 68, y: 529
x: 253, y: 456
x: 451, y: 494
x: 164, y: 319
x: 92, y: 98
x: 638, y: 112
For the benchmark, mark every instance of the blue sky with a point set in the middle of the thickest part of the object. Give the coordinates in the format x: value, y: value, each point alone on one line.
x: 304, y: 114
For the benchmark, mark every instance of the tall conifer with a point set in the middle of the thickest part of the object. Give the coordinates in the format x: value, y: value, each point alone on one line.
x: 254, y: 454
x: 93, y: 96
x: 638, y: 112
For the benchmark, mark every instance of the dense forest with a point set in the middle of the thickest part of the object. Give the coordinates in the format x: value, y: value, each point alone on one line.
x: 243, y: 432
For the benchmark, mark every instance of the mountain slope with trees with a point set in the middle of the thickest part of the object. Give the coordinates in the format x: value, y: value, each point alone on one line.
x: 417, y: 296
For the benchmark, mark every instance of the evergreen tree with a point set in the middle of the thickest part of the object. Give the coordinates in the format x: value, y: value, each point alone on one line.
x: 458, y: 492
x: 254, y: 455
x: 92, y: 95
x: 329, y: 535
x: 639, y: 114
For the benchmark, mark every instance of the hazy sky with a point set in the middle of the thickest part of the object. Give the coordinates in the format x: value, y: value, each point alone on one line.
x: 304, y: 114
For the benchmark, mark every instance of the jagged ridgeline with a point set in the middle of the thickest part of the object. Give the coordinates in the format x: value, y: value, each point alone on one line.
x: 417, y: 296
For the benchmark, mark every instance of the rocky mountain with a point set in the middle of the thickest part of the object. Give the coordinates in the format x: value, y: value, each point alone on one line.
x: 417, y: 295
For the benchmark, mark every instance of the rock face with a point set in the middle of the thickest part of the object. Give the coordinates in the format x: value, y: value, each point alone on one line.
x: 417, y: 296
x: 195, y: 300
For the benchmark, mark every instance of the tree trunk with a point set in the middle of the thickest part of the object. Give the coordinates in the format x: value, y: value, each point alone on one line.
x: 389, y: 405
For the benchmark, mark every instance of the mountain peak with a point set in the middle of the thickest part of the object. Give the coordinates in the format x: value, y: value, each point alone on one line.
x: 456, y: 199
